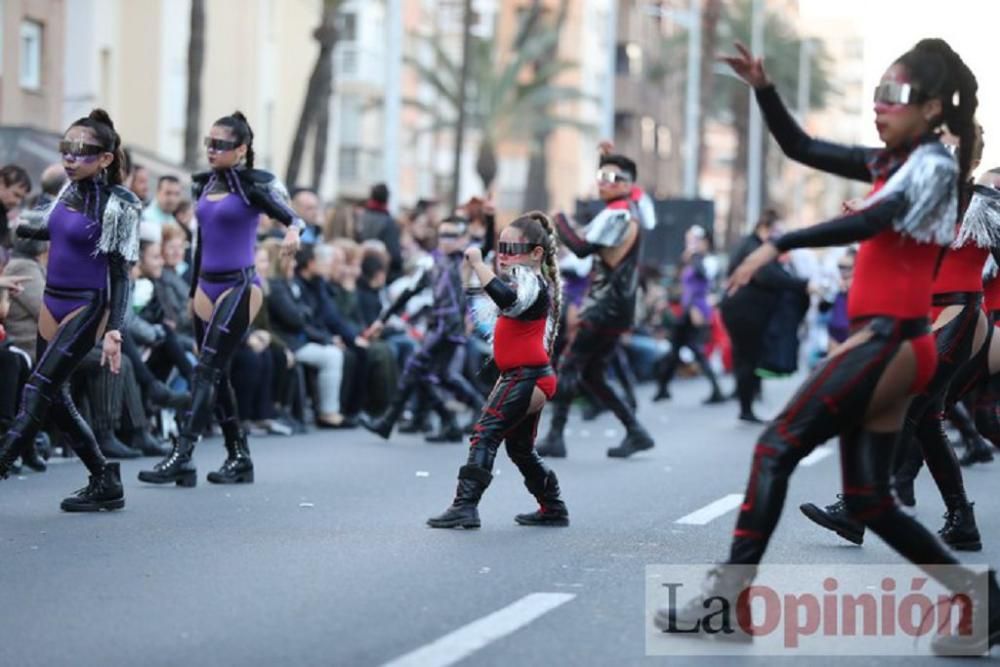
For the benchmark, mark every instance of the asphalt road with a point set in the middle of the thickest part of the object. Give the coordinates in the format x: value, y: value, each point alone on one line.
x: 326, y: 560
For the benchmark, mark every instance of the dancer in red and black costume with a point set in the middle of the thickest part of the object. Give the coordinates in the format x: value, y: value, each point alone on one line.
x: 528, y: 294
x: 614, y: 238
x: 862, y: 390
x: 962, y: 338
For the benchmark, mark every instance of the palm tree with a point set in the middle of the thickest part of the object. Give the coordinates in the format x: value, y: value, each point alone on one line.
x: 500, y: 102
x: 195, y: 65
x: 316, y: 105
x: 732, y: 97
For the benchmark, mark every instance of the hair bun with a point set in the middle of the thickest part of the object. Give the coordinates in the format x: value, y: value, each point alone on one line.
x: 101, y: 116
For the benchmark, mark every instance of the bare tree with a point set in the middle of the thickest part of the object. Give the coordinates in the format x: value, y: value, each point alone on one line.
x: 317, y: 99
x: 195, y: 66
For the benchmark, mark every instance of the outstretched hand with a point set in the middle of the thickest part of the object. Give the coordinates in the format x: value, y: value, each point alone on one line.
x: 747, y: 67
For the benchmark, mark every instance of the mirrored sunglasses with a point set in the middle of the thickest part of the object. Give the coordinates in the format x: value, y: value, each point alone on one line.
x: 80, y: 149
x: 221, y: 145
x: 509, y: 249
x: 607, y: 176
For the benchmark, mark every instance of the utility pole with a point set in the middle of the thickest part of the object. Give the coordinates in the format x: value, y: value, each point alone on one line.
x: 692, y: 106
x: 805, y: 81
x: 456, y: 177
x: 755, y: 152
x: 392, y: 113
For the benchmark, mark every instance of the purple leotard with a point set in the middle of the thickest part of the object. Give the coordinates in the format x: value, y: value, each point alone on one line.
x: 694, y: 289
x: 839, y: 325
x: 228, y: 228
x: 74, y: 262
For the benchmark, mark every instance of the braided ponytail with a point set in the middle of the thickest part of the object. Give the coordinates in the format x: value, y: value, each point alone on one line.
x: 538, y: 228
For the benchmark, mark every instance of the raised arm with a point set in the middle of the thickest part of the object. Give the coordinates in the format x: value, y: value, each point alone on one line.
x: 847, y: 161
x: 840, y: 159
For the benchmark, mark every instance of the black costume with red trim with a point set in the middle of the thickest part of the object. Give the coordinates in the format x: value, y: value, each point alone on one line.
x: 521, y: 354
x: 960, y: 371
x: 905, y: 223
x: 607, y: 312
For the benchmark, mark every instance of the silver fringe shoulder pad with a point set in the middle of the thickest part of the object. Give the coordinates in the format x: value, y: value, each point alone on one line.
x: 928, y: 181
x: 528, y: 285
x: 990, y: 269
x: 981, y: 225
x: 645, y: 212
x: 120, y: 224
x: 608, y: 227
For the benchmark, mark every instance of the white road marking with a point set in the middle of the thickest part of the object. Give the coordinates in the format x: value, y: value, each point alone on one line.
x: 816, y: 456
x: 470, y: 638
x: 712, y: 510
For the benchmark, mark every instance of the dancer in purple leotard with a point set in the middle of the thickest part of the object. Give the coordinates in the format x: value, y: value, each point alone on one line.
x: 226, y: 294
x: 93, y: 229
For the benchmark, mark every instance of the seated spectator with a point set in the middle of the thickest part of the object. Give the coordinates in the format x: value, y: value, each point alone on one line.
x: 15, y: 367
x: 313, y: 345
x: 306, y: 203
x: 155, y: 306
x: 27, y: 261
x: 168, y: 196
x: 53, y: 180
x: 313, y: 273
x: 372, y: 299
x: 15, y: 184
x: 174, y: 287
x: 256, y: 364
x: 376, y: 223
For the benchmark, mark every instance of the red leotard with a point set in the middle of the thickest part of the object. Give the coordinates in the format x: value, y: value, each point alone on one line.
x: 520, y: 341
x: 894, y: 276
x: 961, y: 271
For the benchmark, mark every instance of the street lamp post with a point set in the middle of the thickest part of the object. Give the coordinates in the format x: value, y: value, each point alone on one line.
x: 755, y: 152
x: 691, y: 21
x: 805, y: 80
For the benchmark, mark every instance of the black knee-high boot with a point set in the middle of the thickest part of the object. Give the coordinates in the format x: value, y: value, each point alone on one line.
x: 554, y: 445
x: 104, y: 490
x: 540, y: 481
x: 35, y: 406
x: 178, y: 467
x: 238, y: 466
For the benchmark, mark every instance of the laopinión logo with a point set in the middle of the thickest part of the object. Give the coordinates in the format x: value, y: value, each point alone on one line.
x: 816, y: 610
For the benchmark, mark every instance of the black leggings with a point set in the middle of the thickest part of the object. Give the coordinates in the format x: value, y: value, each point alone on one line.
x: 505, y: 418
x: 219, y: 338
x: 689, y: 335
x: 585, y: 363
x: 47, y: 392
x: 833, y: 401
x: 15, y: 370
x: 923, y: 437
x: 747, y: 337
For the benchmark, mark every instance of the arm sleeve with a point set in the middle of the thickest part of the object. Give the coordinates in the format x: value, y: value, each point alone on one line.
x: 270, y: 198
x: 397, y: 306
x: 847, y: 161
x: 571, y: 239
x: 118, y: 269
x: 501, y: 293
x: 850, y: 228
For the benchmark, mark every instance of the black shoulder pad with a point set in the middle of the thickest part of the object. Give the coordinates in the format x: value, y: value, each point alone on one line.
x: 125, y: 194
x: 256, y: 175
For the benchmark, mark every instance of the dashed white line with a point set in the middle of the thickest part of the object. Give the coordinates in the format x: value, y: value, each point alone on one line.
x: 470, y: 638
x: 712, y: 510
x: 816, y: 455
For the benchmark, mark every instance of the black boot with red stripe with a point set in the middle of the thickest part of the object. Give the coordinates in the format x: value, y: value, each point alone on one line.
x: 551, y: 509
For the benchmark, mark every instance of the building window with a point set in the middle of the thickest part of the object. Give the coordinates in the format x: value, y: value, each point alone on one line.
x: 648, y: 128
x: 664, y: 142
x: 349, y: 164
x: 623, y: 123
x: 628, y: 58
x: 31, y: 55
x: 348, y: 27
